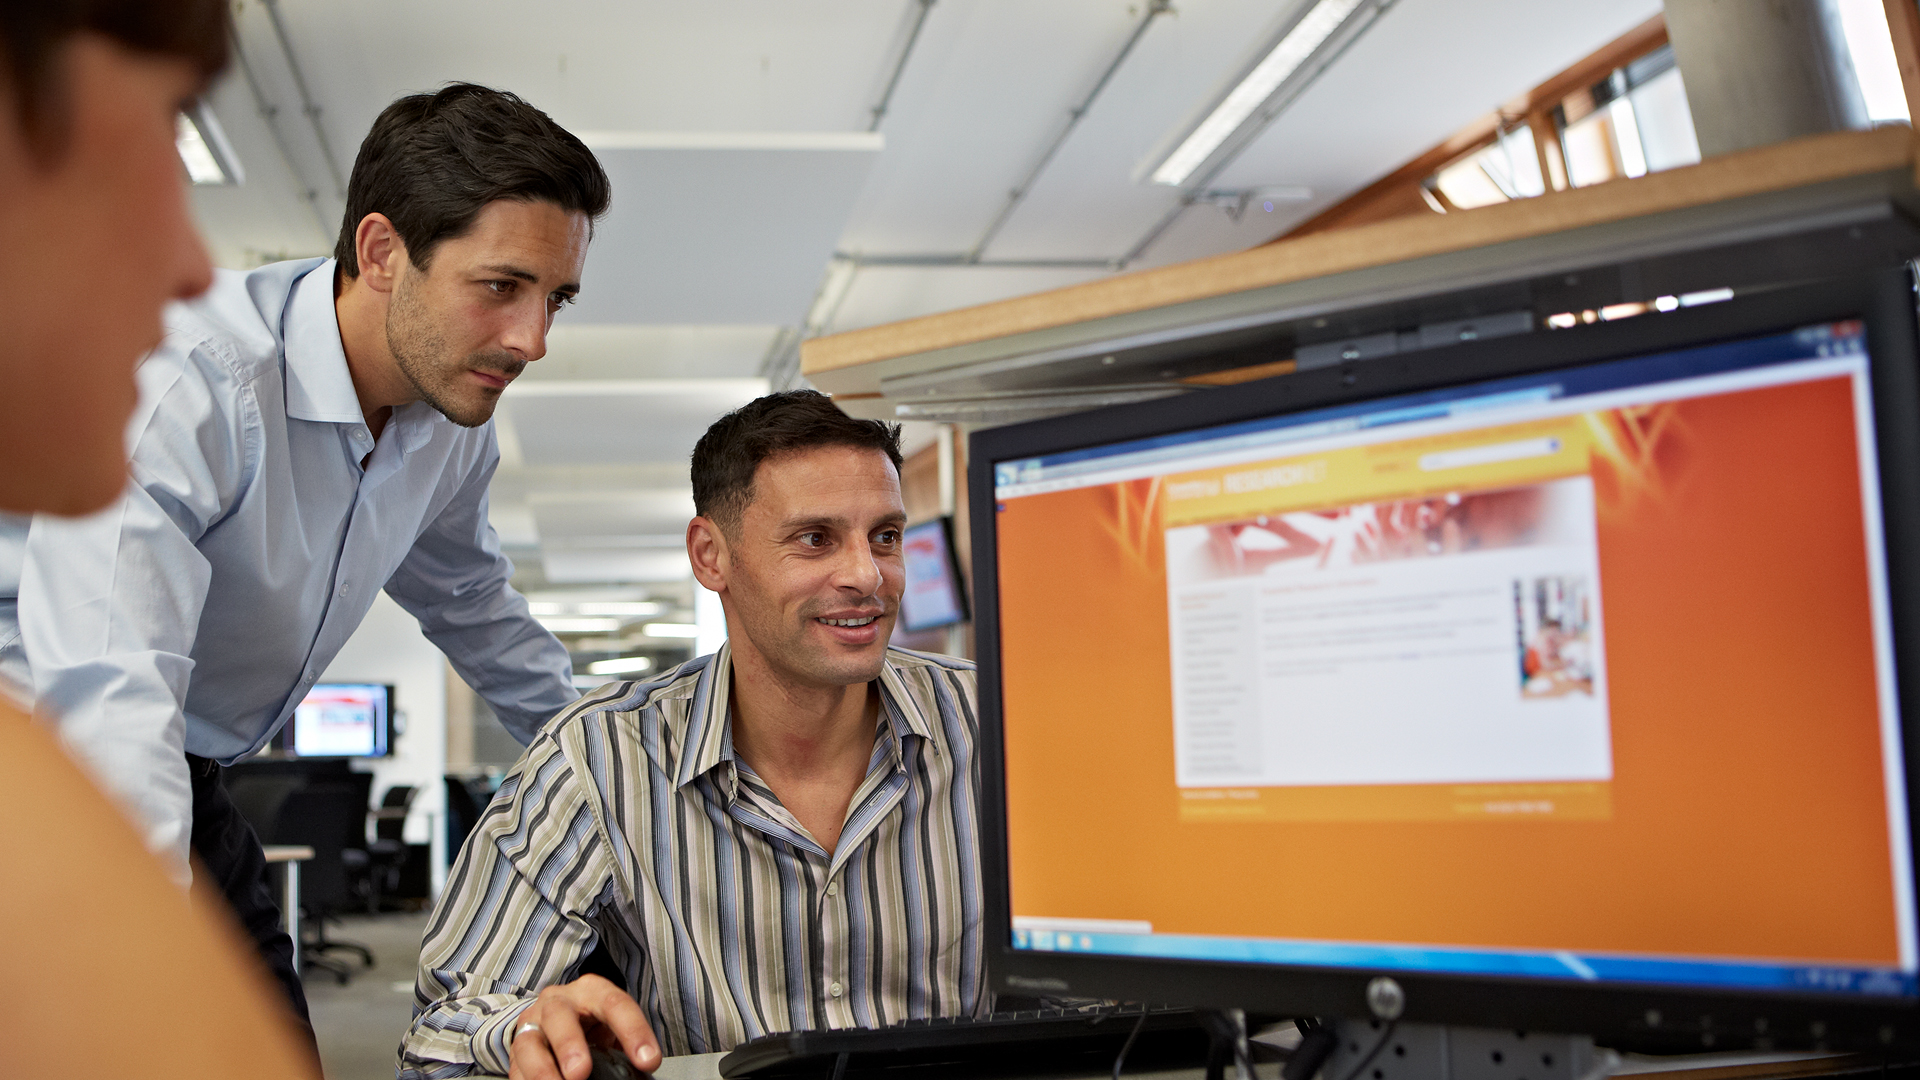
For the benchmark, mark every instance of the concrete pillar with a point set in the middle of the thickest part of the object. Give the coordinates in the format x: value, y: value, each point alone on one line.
x: 1760, y: 72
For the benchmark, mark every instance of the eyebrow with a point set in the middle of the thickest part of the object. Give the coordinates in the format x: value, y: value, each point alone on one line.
x: 836, y: 522
x: 528, y: 276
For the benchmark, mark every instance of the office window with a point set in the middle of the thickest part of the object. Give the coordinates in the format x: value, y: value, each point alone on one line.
x: 1865, y: 24
x: 1666, y: 127
x: 1631, y: 122
x: 1509, y: 169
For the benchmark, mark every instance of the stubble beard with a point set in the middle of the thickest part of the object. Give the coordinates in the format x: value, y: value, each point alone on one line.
x: 787, y: 648
x: 420, y: 351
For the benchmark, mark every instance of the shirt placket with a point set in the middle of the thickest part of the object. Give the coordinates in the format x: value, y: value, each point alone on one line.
x: 359, y: 550
x: 836, y: 968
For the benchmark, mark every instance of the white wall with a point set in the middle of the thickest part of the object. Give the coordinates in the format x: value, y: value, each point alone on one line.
x: 389, y: 648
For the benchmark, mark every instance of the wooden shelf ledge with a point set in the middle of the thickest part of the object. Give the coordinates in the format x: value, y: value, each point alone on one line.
x: 1800, y: 163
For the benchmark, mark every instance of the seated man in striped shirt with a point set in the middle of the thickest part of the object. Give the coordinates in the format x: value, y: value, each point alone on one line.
x: 778, y: 836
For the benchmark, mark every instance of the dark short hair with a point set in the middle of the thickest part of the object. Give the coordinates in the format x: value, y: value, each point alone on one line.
x: 729, y: 454
x: 433, y: 161
x: 32, y: 33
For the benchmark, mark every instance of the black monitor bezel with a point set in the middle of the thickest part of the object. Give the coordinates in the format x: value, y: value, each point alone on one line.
x: 1636, y: 1016
x: 286, y: 735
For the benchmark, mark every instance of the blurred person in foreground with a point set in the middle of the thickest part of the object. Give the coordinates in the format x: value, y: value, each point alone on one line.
x: 781, y: 835
x: 94, y: 221
x: 312, y: 433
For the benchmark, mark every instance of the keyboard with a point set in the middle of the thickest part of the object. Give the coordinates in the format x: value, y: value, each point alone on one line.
x: 1035, y: 1042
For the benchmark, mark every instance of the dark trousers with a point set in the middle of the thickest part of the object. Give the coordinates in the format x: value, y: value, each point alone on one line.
x: 231, y: 857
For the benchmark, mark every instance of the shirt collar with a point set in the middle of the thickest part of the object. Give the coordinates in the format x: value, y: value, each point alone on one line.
x: 318, y: 384
x: 707, y: 743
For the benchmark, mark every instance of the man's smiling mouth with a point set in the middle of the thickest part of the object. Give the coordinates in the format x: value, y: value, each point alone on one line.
x: 848, y: 622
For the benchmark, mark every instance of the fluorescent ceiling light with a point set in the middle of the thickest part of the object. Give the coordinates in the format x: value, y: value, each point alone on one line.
x: 203, y: 148
x: 671, y: 629
x: 635, y: 608
x: 1299, y: 43
x: 630, y: 608
x: 871, y: 142
x: 561, y: 624
x: 621, y: 666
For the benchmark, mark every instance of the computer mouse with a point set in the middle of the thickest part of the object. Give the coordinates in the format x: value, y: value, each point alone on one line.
x: 612, y: 1065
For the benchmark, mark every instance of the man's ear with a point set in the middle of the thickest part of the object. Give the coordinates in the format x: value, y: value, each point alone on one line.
x: 707, y: 551
x: 382, y: 254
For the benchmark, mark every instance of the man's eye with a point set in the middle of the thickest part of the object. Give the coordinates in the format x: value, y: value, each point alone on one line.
x: 501, y: 287
x: 560, y: 300
x: 813, y: 539
x: 887, y: 537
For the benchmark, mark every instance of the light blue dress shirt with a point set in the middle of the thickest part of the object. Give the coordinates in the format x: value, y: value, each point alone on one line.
x: 195, y: 613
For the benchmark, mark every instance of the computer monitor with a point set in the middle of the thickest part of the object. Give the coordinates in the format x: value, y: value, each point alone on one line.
x: 1557, y: 677
x: 934, y: 595
x: 342, y: 720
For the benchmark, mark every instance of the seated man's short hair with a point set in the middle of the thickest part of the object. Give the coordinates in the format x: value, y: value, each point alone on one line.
x: 728, y: 455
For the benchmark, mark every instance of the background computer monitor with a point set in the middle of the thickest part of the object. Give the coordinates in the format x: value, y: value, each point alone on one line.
x: 1557, y: 677
x: 935, y: 595
x: 342, y: 720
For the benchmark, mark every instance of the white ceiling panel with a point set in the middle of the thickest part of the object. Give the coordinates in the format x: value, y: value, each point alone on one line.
x: 732, y: 65
x: 265, y: 218
x: 731, y: 235
x: 1088, y: 204
x: 987, y: 90
x: 882, y: 294
x: 1395, y: 94
x: 630, y: 519
x: 514, y: 522
x: 614, y: 536
x: 611, y: 351
x: 593, y: 567
x: 631, y: 422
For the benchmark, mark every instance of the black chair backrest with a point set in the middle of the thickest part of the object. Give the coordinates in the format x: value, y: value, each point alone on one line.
x: 398, y: 797
x: 258, y: 799
x: 463, y: 813
x: 362, y: 784
x: 321, y: 817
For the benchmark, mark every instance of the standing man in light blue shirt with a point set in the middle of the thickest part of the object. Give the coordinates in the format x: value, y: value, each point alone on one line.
x: 308, y: 434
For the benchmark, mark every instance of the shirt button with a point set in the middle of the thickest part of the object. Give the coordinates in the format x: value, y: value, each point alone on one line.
x: 835, y: 989
x: 833, y: 888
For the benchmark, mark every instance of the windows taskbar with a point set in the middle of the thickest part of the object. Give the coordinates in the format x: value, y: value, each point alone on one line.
x: 1878, y: 982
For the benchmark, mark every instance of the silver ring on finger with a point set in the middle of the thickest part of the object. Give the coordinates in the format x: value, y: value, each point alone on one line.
x: 524, y: 1028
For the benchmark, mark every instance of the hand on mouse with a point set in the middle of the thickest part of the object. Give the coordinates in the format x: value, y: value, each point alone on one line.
x: 553, y: 1038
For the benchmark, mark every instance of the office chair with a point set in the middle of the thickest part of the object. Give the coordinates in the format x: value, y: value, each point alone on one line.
x: 463, y: 813
x: 323, y: 817
x: 387, y: 851
x: 258, y: 798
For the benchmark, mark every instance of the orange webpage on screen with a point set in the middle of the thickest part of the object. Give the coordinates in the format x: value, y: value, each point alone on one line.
x: 1574, y: 682
x: 1465, y: 564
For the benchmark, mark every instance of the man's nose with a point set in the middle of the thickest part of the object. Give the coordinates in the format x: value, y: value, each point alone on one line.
x: 526, y: 335
x: 858, y: 570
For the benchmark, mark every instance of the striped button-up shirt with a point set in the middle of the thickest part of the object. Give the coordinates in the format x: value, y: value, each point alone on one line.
x: 632, y: 823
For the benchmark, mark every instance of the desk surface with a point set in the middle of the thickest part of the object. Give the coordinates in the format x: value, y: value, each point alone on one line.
x: 1741, y: 1066
x: 287, y: 852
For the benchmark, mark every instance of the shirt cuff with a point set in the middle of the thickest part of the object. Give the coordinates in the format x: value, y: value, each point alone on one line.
x: 492, y: 1043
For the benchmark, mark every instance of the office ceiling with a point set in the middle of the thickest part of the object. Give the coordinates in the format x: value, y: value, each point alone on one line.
x: 734, y: 131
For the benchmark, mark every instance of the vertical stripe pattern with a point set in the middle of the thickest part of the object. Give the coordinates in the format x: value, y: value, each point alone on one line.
x: 631, y: 823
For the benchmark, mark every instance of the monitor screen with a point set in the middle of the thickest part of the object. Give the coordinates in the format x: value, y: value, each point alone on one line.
x: 934, y: 596
x: 342, y: 720
x: 1585, y: 676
